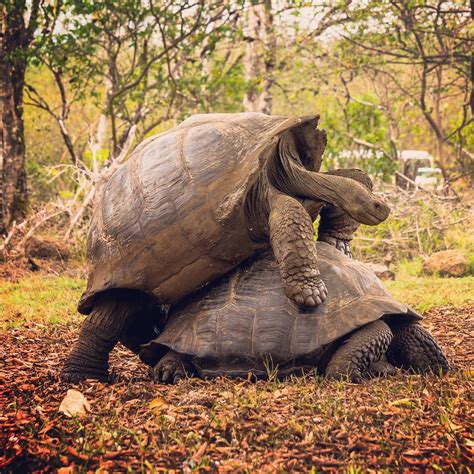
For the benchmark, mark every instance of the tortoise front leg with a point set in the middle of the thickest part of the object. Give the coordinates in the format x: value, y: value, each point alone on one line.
x: 100, y: 332
x: 414, y: 348
x: 291, y: 236
x: 171, y: 368
x: 364, y: 347
x: 336, y: 227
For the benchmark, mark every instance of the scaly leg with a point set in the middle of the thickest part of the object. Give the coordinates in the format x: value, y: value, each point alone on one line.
x: 414, y: 348
x: 100, y: 332
x: 291, y: 236
x: 364, y: 347
x: 171, y: 368
x: 381, y: 368
x: 336, y: 227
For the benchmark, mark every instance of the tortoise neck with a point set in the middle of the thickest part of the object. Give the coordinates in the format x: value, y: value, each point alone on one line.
x: 257, y: 209
x: 287, y: 174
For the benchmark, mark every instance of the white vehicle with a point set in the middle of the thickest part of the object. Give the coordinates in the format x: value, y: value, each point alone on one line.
x: 418, y: 167
x: 429, y: 178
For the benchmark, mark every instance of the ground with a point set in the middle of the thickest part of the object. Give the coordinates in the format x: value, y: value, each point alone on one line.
x: 406, y: 422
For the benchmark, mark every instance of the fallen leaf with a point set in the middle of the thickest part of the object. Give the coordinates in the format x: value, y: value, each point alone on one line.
x: 199, y: 453
x: 405, y: 402
x: 76, y: 454
x: 74, y: 404
x: 66, y: 469
x: 158, y: 404
x: 412, y: 452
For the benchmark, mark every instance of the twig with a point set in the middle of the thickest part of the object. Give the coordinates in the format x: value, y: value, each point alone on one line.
x: 75, y: 219
x: 21, y: 245
x: 12, y: 232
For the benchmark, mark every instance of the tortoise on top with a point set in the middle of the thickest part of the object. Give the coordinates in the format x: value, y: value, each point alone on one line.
x: 244, y: 323
x: 193, y: 203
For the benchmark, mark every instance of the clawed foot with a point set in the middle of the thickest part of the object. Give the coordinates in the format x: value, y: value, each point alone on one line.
x: 342, y: 245
x: 72, y: 374
x: 381, y: 368
x: 170, y: 369
x: 353, y: 375
x: 309, y: 292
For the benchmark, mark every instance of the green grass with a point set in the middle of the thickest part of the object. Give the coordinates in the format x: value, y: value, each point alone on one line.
x: 39, y: 299
x: 426, y: 292
x: 47, y: 300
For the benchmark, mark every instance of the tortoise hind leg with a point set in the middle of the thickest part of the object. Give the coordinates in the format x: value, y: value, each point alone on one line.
x: 100, y: 332
x: 363, y: 347
x: 171, y: 368
x: 414, y: 348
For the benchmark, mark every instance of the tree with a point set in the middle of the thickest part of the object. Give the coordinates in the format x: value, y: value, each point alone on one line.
x: 141, y: 64
x: 259, y: 57
x: 16, y: 37
x: 425, y: 50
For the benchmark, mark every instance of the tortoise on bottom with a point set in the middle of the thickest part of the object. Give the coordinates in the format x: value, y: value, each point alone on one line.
x: 245, y: 323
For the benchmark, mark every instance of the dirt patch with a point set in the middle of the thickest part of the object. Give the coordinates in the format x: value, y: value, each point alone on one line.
x: 407, y: 422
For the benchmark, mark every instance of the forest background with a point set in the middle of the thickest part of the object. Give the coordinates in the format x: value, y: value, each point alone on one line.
x: 82, y: 82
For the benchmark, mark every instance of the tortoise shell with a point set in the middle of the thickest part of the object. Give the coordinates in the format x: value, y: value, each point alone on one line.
x: 172, y: 218
x: 242, y: 322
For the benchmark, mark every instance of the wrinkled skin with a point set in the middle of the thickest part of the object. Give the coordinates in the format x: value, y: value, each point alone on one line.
x: 277, y: 208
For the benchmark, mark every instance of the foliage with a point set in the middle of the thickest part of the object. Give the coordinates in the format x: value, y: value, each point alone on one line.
x: 370, y: 124
x: 139, y: 63
x: 424, y: 50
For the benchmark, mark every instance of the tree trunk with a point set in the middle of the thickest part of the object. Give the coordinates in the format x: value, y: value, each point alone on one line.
x: 259, y: 58
x: 439, y: 119
x: 13, y: 193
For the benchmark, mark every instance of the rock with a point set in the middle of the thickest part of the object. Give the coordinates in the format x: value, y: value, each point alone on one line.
x: 451, y: 263
x: 381, y: 270
x: 46, y: 249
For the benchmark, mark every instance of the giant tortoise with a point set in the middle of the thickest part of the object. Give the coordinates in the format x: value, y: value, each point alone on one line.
x: 246, y: 324
x: 191, y: 204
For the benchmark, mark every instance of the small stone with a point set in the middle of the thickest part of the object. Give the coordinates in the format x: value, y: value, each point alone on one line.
x: 46, y: 249
x: 381, y: 270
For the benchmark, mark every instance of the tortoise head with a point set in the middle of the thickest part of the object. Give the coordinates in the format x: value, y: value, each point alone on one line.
x: 295, y: 171
x: 356, y: 199
x: 362, y: 205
